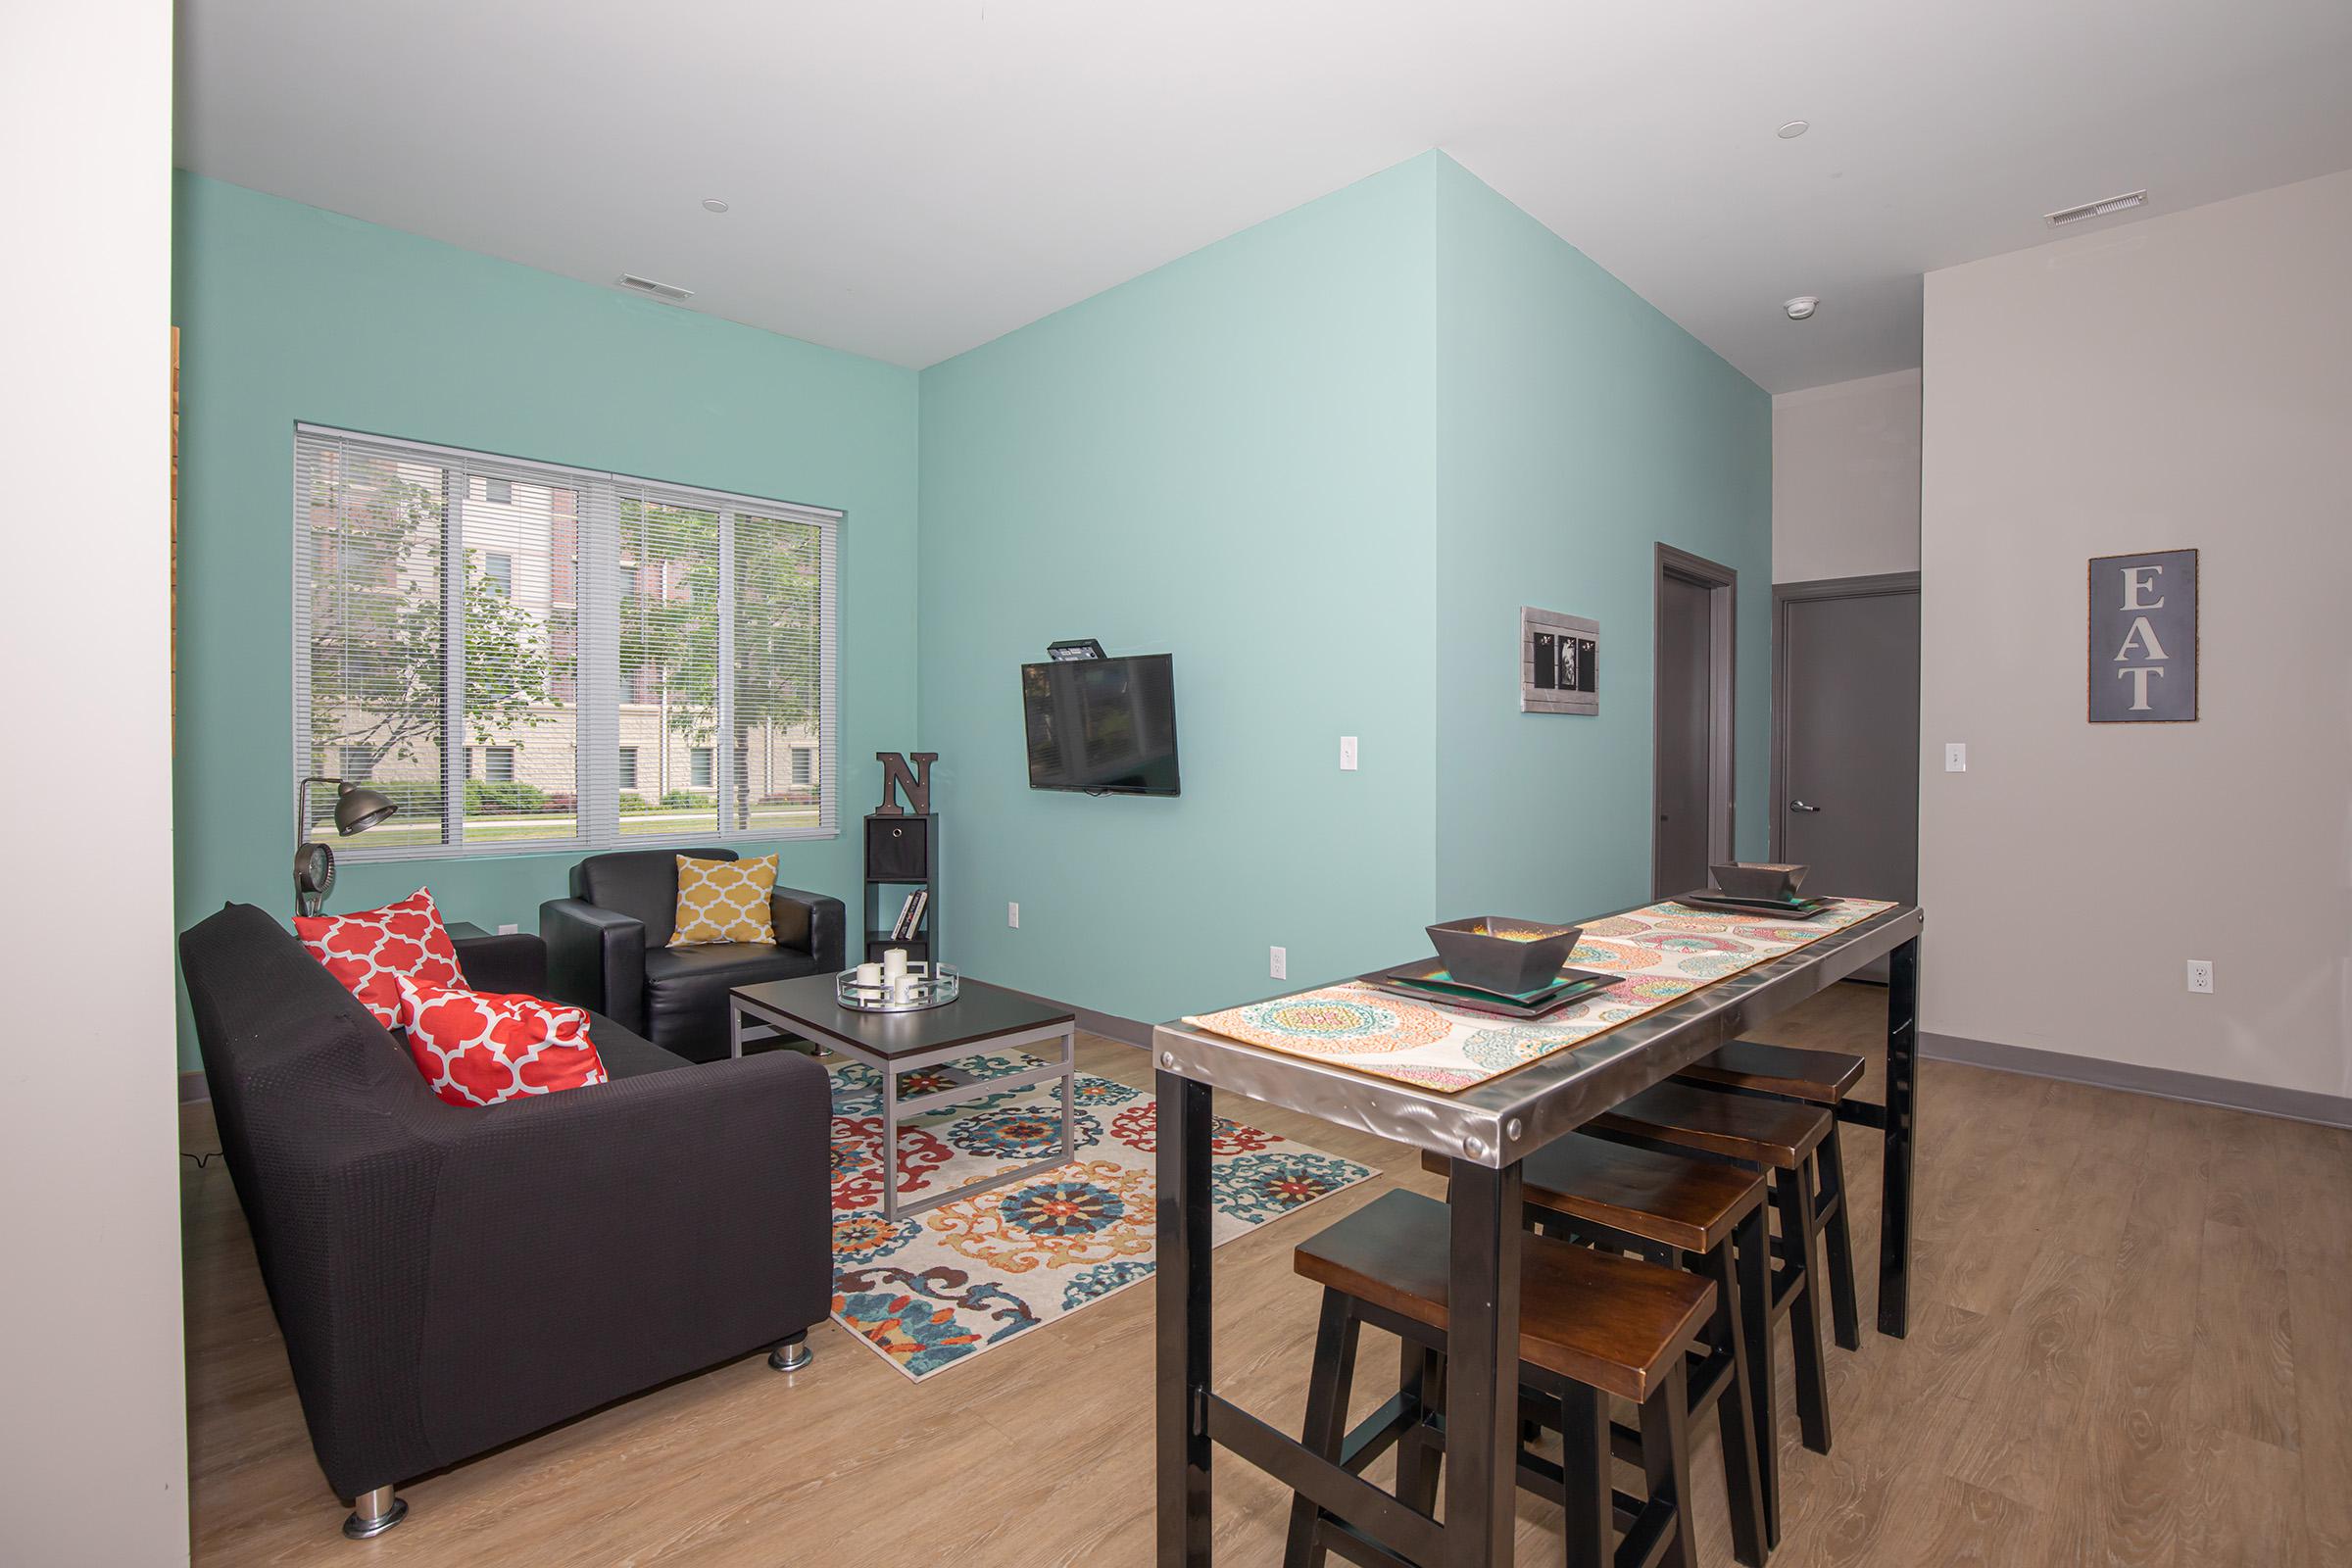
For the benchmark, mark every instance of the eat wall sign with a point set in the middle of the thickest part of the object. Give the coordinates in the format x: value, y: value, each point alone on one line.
x: 2143, y: 638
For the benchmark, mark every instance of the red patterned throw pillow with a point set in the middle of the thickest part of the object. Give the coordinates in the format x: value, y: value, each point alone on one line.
x: 371, y: 951
x: 480, y: 1047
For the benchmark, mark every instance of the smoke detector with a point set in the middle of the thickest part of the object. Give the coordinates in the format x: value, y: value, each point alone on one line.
x: 2098, y: 209
x: 661, y: 291
x: 1802, y: 307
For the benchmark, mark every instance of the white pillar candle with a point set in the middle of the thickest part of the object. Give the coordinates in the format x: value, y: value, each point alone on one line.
x: 870, y: 974
x: 894, y: 961
x: 902, y: 990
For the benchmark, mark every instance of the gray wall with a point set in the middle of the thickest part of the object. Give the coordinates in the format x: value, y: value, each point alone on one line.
x: 2182, y: 381
x: 93, y: 1451
x: 1845, y: 479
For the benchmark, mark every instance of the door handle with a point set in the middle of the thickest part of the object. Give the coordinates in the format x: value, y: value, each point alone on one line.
x: 1801, y: 805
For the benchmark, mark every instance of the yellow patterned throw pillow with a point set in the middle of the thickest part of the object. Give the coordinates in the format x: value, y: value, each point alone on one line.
x: 724, y: 901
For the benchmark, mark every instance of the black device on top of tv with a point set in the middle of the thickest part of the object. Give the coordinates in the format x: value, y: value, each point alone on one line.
x: 1106, y: 726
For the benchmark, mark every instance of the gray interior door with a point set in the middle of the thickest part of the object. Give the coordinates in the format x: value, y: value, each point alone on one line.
x: 1685, y: 717
x: 1849, y: 738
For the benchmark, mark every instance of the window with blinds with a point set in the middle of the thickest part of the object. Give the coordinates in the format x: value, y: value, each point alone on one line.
x: 528, y: 657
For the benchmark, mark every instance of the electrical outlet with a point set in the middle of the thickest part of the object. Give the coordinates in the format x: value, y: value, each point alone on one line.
x: 1280, y: 962
x: 2200, y: 975
x: 509, y: 929
x: 1346, y: 754
x: 1955, y: 756
x: 1012, y: 916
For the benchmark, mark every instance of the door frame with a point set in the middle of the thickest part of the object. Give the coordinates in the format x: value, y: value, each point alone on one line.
x: 1785, y: 596
x: 1722, y: 584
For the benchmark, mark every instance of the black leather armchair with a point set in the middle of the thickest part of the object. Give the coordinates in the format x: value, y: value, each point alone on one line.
x: 608, y: 949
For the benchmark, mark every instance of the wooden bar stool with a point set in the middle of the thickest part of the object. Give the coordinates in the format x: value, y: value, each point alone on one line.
x: 1821, y: 1078
x: 1590, y: 1325
x: 1684, y: 1212
x: 1775, y: 1136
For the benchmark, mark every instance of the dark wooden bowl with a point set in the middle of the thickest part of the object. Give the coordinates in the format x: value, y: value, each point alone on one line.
x: 1513, y: 965
x: 1755, y: 879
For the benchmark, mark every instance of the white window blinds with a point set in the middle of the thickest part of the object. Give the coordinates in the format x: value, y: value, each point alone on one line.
x: 530, y: 656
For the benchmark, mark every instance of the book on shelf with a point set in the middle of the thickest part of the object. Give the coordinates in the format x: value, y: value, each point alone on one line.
x: 903, y: 925
x: 918, y: 905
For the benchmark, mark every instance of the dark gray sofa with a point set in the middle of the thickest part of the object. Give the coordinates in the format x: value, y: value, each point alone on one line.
x: 621, y: 1234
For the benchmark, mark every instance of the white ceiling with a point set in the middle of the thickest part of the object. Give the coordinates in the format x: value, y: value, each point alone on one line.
x: 913, y: 178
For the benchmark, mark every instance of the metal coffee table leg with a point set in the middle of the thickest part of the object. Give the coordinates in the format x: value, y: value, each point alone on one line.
x: 1069, y: 1078
x: 890, y: 1140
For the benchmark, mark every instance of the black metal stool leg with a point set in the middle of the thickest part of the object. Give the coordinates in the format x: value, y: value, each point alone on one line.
x: 1666, y: 1463
x: 1421, y: 1374
x: 1327, y: 1388
x: 1586, y: 1493
x: 1751, y: 1256
x: 1845, y: 1319
x: 1800, y: 1237
x: 1734, y: 1417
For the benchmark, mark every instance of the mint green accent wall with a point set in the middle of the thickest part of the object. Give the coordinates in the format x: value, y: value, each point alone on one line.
x: 1230, y: 460
x: 1577, y: 427
x: 288, y: 312
x: 1323, y: 463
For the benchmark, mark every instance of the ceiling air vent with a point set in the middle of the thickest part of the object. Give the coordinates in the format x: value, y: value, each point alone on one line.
x: 2099, y: 209
x: 661, y: 291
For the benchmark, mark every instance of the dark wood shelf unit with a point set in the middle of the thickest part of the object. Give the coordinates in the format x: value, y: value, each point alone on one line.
x: 902, y: 854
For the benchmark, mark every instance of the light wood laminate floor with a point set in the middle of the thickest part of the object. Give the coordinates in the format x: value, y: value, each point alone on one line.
x: 2131, y: 1342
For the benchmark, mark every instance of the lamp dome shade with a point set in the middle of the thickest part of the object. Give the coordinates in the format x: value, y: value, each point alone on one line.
x: 359, y: 808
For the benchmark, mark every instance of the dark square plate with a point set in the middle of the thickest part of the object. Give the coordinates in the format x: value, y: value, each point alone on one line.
x: 1792, y: 909
x: 1428, y: 981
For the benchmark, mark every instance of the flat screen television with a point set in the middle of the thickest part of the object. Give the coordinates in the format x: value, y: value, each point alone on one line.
x: 1106, y: 726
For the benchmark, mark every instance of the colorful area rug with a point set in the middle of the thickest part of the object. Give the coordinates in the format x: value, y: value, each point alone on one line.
x: 936, y: 1290
x: 1665, y: 953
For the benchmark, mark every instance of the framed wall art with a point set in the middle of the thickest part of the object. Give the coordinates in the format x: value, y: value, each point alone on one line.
x: 1559, y: 662
x: 2143, y: 638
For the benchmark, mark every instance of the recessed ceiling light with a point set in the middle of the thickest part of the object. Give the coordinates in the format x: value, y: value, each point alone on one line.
x: 1802, y: 307
x: 2098, y: 209
x: 711, y: 203
x: 1794, y: 129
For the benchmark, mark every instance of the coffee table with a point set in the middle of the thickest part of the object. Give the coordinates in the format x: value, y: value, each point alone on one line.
x: 982, y: 1019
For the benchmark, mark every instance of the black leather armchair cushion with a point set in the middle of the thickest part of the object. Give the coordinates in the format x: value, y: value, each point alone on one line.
x: 686, y: 990
x: 608, y: 948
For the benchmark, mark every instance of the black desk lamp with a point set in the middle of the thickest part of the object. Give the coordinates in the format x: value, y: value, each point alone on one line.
x: 357, y: 810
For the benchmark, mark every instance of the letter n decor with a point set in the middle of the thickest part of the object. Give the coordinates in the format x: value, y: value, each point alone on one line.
x: 2143, y: 638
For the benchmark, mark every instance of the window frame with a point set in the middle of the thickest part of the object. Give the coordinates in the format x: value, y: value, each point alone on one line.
x: 597, y: 824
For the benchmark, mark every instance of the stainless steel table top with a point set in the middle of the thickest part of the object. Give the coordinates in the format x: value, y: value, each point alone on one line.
x: 1510, y: 1116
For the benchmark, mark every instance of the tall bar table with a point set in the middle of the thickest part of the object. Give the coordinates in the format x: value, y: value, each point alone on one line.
x: 1486, y: 1132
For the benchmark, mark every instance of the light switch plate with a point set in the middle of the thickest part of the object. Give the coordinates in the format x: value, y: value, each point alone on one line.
x: 1012, y: 916
x: 1955, y: 756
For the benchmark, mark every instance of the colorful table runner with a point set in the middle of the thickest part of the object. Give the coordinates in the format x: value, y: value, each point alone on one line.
x: 1665, y: 952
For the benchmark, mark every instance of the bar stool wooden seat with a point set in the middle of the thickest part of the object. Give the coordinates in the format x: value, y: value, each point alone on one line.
x: 1687, y: 1214
x: 1819, y: 1078
x: 1777, y: 1136
x: 1590, y: 1324
x: 1793, y: 1072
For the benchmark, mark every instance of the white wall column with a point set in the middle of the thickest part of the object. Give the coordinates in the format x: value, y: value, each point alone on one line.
x: 93, y: 1448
